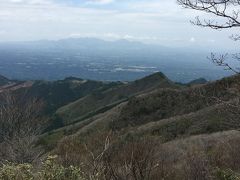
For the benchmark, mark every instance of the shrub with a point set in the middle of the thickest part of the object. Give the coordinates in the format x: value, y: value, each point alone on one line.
x: 50, y: 170
x: 227, y: 175
x: 11, y: 171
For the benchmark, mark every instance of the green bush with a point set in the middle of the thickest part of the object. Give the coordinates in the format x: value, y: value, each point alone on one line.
x: 50, y: 170
x: 12, y: 171
x: 227, y: 175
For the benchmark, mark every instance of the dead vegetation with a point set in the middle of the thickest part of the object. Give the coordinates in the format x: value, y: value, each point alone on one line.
x: 202, y: 157
x: 20, y: 125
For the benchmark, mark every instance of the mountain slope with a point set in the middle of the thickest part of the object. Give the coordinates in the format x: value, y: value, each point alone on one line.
x: 153, y: 106
x: 170, y: 113
x: 111, y: 97
x: 166, y: 103
x: 62, y: 92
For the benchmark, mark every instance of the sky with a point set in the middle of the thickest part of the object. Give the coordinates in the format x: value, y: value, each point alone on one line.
x: 161, y: 22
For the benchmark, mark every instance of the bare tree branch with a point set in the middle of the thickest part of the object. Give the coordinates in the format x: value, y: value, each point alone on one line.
x: 225, y: 15
x: 20, y: 124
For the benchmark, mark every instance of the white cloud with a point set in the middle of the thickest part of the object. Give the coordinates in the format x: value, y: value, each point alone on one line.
x: 192, y: 39
x: 113, y: 36
x: 150, y: 21
x: 2, y: 32
x: 100, y: 1
x: 26, y: 2
x: 211, y: 40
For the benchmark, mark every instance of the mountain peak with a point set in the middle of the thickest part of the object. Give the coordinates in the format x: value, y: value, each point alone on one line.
x: 71, y: 78
x: 156, y: 76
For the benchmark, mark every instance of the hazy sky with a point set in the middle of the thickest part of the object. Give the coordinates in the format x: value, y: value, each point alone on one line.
x: 151, y: 21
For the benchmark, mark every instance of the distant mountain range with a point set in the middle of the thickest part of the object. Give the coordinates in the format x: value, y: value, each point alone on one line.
x: 97, y: 59
x: 78, y: 44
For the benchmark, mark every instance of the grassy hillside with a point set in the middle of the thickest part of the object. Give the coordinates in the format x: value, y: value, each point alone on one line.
x: 145, y: 129
x: 170, y: 112
x: 208, y: 120
x: 166, y: 103
x: 165, y: 113
x: 62, y: 92
x: 104, y: 99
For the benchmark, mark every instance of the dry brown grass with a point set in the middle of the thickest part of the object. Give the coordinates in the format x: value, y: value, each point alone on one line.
x: 110, y: 157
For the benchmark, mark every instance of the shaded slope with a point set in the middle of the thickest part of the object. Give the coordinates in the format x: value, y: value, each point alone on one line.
x: 62, y: 92
x: 111, y: 97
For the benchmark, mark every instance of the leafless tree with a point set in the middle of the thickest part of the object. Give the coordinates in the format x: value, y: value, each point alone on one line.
x: 225, y: 15
x: 107, y: 157
x: 135, y: 160
x: 96, y: 165
x: 20, y: 123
